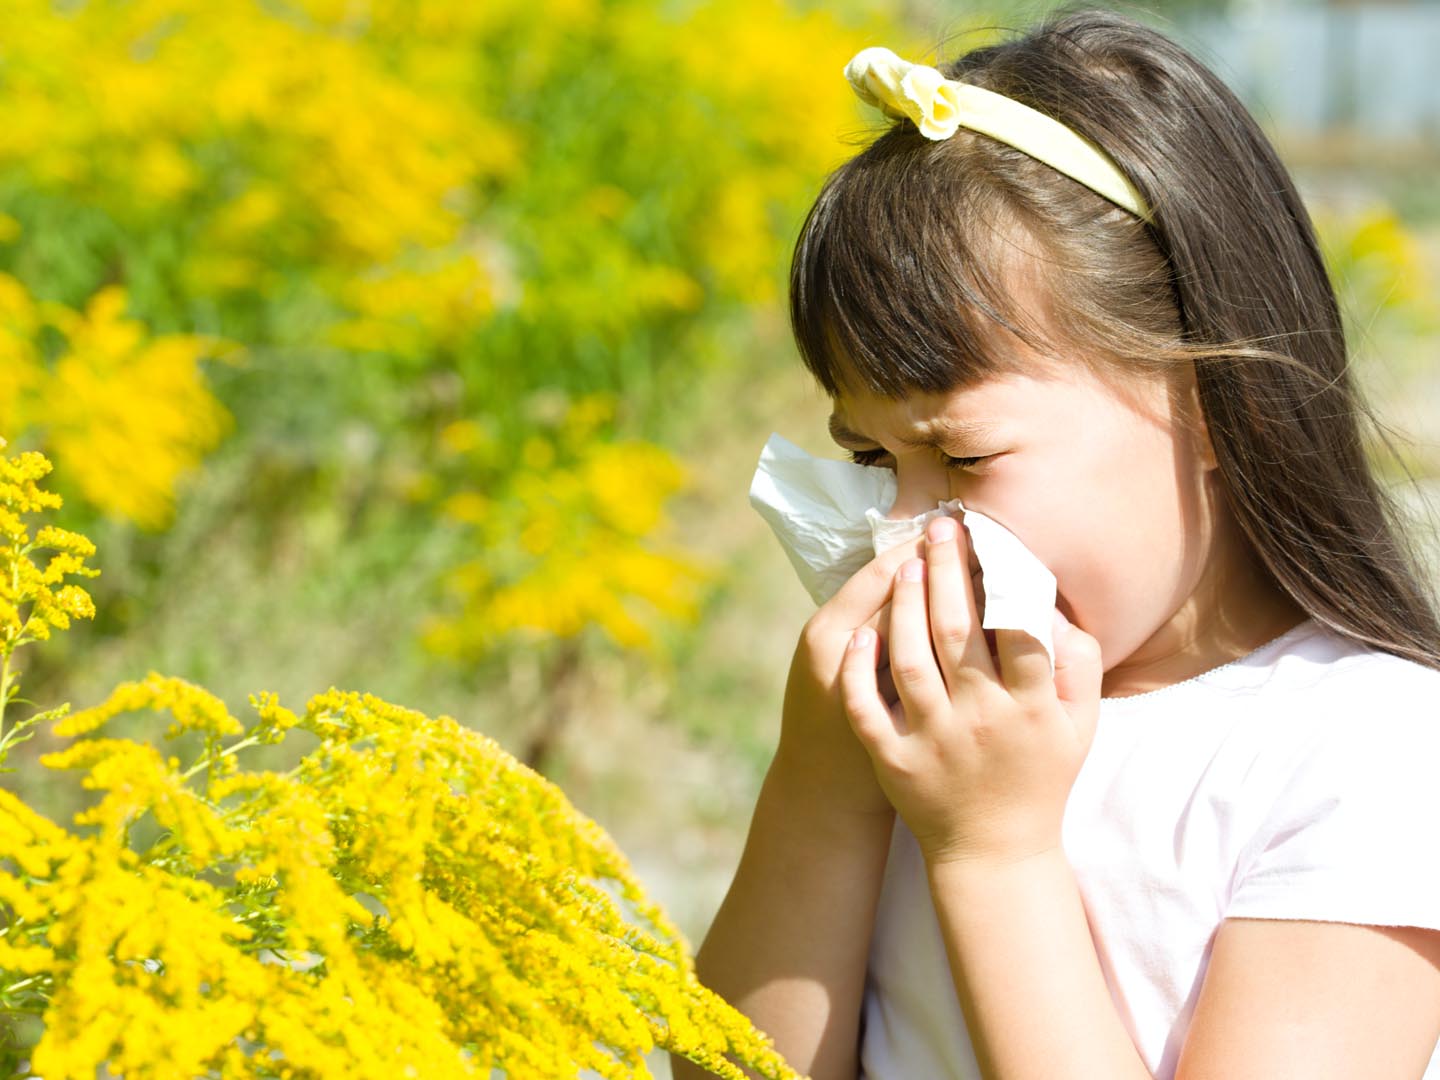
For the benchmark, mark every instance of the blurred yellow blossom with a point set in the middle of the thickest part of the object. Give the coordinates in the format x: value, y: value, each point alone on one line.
x: 370, y: 153
x: 462, y: 436
x: 127, y: 415
x: 468, y: 507
x: 411, y: 312
x: 571, y: 540
x: 1378, y: 264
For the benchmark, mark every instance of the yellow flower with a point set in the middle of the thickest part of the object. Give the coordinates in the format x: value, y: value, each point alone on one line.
x: 126, y: 414
x: 193, y: 707
x: 469, y: 507
x: 51, y: 602
x: 573, y: 543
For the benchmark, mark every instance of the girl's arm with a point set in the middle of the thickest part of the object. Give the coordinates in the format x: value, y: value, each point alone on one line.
x: 789, y: 944
x: 1035, y: 1001
x: 1280, y: 997
x: 1288, y: 997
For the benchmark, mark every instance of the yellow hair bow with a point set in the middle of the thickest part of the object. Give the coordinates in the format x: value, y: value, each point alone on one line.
x: 938, y: 106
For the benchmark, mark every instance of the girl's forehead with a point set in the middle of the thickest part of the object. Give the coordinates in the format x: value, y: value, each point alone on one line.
x: 943, y: 429
x: 1001, y: 399
x: 988, y: 395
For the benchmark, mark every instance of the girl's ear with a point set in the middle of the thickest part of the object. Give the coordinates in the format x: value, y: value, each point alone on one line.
x: 1207, y: 447
x: 1195, y: 420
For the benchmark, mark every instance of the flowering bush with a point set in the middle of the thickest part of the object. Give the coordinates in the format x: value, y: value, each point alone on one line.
x: 566, y: 538
x: 126, y: 414
x: 413, y: 219
x: 406, y: 900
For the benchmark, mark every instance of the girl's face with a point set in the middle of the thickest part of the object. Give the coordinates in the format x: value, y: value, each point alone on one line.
x: 1109, y: 487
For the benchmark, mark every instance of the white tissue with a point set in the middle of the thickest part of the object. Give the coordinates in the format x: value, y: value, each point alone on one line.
x: 816, y: 506
x: 829, y: 517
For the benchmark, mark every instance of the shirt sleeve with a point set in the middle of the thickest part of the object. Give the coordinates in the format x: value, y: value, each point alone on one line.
x: 1353, y: 831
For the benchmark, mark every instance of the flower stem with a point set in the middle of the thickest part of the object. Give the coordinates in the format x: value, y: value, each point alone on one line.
x: 9, y: 645
x: 4, y: 691
x: 207, y: 760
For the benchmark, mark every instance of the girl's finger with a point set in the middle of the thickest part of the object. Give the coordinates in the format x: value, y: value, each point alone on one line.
x: 869, y: 716
x: 954, y: 620
x: 887, y: 684
x: 1079, y: 667
x: 866, y: 591
x: 912, y: 659
x: 1025, y: 667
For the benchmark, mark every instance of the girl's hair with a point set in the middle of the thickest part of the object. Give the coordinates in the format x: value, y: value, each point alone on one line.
x: 909, y: 257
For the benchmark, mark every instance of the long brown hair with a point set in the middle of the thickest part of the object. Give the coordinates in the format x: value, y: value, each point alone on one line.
x: 904, y: 260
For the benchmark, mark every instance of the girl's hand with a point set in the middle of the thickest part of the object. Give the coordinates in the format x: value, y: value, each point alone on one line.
x: 817, y: 746
x: 979, y: 763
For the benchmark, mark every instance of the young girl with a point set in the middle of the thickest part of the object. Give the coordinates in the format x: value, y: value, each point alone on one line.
x: 1090, y: 304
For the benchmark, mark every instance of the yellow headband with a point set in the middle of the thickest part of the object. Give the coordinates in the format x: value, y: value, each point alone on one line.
x: 938, y: 105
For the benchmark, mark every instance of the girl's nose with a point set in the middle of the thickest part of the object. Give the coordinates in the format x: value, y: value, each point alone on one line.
x: 917, y: 490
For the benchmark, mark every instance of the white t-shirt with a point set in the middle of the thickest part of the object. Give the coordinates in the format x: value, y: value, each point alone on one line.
x: 1298, y: 782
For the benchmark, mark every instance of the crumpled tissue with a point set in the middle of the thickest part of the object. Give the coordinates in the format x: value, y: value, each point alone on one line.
x: 829, y: 517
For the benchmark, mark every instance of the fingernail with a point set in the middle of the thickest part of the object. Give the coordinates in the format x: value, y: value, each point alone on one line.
x: 942, y: 529
x: 911, y: 570
x: 861, y: 639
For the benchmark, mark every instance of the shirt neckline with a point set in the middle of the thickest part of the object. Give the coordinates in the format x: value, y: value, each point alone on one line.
x: 1305, y: 626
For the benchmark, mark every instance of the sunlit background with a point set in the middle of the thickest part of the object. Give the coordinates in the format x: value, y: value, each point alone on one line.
x: 426, y: 347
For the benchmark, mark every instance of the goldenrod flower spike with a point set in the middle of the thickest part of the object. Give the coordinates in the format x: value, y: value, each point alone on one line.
x: 937, y: 106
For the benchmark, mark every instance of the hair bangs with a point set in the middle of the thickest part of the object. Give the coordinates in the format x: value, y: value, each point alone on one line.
x: 912, y: 305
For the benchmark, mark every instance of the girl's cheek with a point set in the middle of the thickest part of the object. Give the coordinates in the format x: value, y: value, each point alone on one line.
x: 1078, y: 615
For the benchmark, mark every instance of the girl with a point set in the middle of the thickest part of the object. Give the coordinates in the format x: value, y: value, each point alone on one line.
x: 1090, y: 304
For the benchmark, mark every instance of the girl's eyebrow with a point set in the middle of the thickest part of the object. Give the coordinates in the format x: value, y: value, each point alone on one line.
x: 940, y: 432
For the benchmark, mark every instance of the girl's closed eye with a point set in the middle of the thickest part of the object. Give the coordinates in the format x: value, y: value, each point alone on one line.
x: 876, y: 457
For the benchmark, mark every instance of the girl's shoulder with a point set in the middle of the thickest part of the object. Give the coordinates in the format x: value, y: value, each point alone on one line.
x: 1318, y: 699
x: 1323, y: 646
x: 1329, y: 673
x: 1308, y: 669
x: 1339, y: 742
x: 1309, y: 691
x: 1306, y: 767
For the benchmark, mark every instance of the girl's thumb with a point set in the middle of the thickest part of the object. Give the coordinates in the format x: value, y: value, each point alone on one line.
x: 1078, y: 668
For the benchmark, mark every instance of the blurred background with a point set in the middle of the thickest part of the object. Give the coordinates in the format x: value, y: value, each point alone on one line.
x: 427, y: 347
